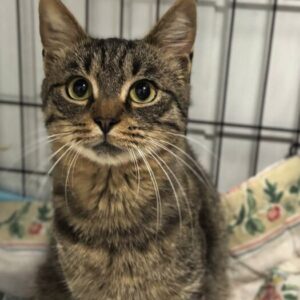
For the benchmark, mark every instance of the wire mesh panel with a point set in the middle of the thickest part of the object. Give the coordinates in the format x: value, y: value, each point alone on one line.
x: 245, y: 88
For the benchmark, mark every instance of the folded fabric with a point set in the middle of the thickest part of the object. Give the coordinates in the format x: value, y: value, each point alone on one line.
x: 264, y: 226
x: 24, y: 235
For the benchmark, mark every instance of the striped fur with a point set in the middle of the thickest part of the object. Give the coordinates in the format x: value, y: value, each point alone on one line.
x: 140, y: 219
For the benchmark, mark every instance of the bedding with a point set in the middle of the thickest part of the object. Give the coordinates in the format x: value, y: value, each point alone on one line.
x: 263, y: 216
x: 264, y: 228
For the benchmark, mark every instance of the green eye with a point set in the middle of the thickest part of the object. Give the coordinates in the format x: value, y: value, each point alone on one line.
x: 143, y: 92
x: 79, y: 89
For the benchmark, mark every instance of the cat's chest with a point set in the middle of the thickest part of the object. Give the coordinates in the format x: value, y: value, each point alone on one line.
x: 108, y: 194
x: 110, y: 183
x: 108, y: 275
x: 129, y: 274
x: 114, y: 204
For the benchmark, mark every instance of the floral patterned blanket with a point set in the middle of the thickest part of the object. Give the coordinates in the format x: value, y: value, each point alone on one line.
x: 263, y: 223
x: 264, y: 226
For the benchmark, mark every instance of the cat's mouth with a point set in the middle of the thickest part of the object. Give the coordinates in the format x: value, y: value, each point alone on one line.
x: 104, y: 152
x: 105, y: 147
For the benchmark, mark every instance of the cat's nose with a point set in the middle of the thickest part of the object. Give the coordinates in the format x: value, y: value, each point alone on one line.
x: 106, y: 124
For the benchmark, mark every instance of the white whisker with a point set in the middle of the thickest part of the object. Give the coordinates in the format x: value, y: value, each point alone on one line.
x: 192, y: 140
x: 137, y: 170
x: 173, y: 188
x: 179, y: 158
x: 155, y: 185
x: 60, y: 158
x: 179, y: 185
x: 189, y: 157
x: 68, y: 174
x: 33, y: 147
x: 72, y: 176
x: 57, y: 151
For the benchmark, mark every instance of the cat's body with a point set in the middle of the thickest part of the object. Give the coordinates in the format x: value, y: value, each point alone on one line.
x: 135, y: 217
x: 124, y: 256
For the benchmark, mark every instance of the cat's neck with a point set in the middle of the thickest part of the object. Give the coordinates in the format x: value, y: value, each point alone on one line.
x: 107, y: 199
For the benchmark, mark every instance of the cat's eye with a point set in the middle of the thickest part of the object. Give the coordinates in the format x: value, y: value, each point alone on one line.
x: 143, y: 91
x: 79, y: 89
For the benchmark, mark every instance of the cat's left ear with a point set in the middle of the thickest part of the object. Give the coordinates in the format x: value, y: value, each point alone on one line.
x: 175, y: 33
x: 58, y: 27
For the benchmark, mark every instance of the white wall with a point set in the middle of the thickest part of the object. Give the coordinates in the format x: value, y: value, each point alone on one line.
x: 245, y: 81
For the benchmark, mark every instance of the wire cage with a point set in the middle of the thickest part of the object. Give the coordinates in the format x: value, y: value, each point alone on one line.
x: 245, y: 111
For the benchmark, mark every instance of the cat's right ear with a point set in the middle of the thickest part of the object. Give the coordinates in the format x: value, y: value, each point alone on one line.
x: 58, y: 27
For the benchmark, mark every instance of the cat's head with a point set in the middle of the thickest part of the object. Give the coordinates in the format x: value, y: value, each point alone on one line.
x: 104, y: 96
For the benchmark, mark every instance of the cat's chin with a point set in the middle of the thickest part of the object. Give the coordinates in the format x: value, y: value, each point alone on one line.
x: 105, y: 154
x: 107, y: 148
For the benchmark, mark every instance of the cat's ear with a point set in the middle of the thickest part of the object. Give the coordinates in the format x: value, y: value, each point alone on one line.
x: 176, y: 30
x: 58, y: 27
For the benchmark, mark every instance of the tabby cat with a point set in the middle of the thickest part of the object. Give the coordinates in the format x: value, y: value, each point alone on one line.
x: 135, y: 216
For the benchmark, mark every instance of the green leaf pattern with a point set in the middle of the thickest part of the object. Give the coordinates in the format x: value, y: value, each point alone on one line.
x: 247, y: 216
x: 14, y: 221
x: 271, y: 190
x: 16, y: 225
x: 254, y: 220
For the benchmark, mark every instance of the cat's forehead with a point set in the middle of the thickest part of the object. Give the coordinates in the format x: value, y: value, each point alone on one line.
x: 115, y: 54
x: 114, y: 61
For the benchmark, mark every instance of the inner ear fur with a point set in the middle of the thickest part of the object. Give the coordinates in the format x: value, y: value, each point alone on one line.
x: 58, y: 27
x: 176, y: 30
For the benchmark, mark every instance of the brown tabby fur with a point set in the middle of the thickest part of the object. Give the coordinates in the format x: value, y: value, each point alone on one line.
x: 114, y: 235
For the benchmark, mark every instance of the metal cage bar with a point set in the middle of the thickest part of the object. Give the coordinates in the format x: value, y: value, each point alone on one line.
x: 157, y: 10
x: 224, y: 99
x: 21, y: 96
x: 121, y: 33
x: 87, y: 15
x: 265, y: 87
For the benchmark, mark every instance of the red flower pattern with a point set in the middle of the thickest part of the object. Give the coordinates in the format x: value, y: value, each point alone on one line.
x: 269, y: 293
x: 35, y: 228
x: 274, y: 213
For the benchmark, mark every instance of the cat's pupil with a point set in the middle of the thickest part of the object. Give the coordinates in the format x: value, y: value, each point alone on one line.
x: 80, y: 87
x: 143, y: 90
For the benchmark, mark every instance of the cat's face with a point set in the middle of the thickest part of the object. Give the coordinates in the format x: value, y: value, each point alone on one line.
x: 109, y: 99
